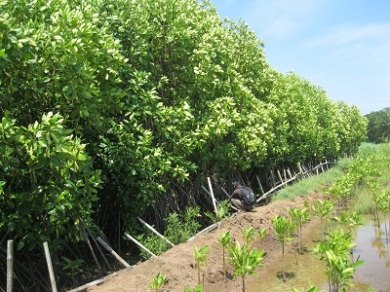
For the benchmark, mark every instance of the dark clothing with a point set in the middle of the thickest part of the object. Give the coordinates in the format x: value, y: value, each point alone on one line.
x: 237, y: 199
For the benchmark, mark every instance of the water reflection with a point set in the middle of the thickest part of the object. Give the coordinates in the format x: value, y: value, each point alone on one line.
x: 301, y: 270
x: 372, y: 245
x: 372, y: 241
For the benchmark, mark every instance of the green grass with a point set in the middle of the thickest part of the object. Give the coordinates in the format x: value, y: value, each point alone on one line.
x: 364, y: 203
x: 314, y: 183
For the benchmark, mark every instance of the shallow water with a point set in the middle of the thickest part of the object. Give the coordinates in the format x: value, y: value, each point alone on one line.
x: 303, y: 270
x: 373, y: 247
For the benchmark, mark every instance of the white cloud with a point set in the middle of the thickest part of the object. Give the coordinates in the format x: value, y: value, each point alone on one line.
x: 279, y: 19
x: 370, y: 43
x: 345, y: 34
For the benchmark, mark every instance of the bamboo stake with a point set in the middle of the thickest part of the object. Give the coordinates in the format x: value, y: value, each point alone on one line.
x: 212, y: 196
x: 226, y: 193
x: 280, y: 176
x: 275, y: 188
x: 287, y: 181
x: 155, y: 231
x: 88, y: 285
x: 111, y: 251
x: 289, y: 172
x: 261, y: 187
x: 140, y: 245
x: 50, y: 267
x: 207, y: 229
x: 300, y: 167
x: 84, y: 287
x: 92, y: 252
x: 207, y: 192
x: 306, y: 171
x: 99, y: 249
x: 10, y: 265
x: 273, y: 178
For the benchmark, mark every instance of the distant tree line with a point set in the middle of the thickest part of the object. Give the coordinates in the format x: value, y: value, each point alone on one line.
x: 110, y: 108
x: 378, y: 130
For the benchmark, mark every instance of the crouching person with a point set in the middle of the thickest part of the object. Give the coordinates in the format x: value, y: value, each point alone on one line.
x: 243, y: 198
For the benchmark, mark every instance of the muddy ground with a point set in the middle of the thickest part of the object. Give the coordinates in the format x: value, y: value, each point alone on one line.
x: 178, y: 263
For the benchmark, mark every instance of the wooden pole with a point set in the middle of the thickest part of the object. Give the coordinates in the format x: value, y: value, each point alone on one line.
x: 273, y: 178
x: 207, y: 229
x: 280, y: 176
x: 85, y: 287
x: 207, y: 192
x: 10, y: 265
x: 140, y: 245
x: 212, y: 196
x: 226, y: 193
x: 289, y: 173
x: 155, y: 231
x: 274, y: 189
x: 92, y: 251
x: 98, y: 247
x: 308, y: 171
x: 259, y: 182
x: 112, y: 252
x: 50, y: 267
x: 300, y: 167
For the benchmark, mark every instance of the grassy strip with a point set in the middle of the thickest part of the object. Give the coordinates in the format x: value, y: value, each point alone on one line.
x: 372, y: 162
x: 318, y: 183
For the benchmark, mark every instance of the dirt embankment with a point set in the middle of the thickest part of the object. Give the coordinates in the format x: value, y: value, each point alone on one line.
x: 178, y: 263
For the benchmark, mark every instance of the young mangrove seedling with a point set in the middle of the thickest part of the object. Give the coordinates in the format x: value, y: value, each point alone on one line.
x: 311, y: 289
x: 322, y: 209
x: 261, y: 233
x: 299, y: 216
x: 198, y: 288
x: 248, y: 234
x: 335, y: 251
x: 158, y: 282
x: 244, y: 261
x: 225, y: 240
x: 201, y: 256
x: 283, y: 229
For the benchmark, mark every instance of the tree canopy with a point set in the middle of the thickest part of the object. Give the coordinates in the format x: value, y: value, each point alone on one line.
x: 107, y: 104
x: 379, y: 126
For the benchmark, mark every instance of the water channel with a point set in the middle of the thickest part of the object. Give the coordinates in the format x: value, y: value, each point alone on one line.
x: 373, y: 247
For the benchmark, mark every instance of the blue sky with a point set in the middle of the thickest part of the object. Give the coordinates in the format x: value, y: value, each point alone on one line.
x: 343, y: 46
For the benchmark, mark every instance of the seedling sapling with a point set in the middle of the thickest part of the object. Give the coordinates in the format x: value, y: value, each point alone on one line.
x: 200, y: 258
x: 247, y: 235
x: 158, y: 281
x: 244, y: 261
x: 283, y: 228
x: 299, y: 216
x: 322, y: 209
x: 225, y: 241
x: 261, y: 233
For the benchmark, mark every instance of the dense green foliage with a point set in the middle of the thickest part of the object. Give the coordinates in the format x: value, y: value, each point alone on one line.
x: 154, y: 92
x: 47, y: 184
x: 340, y: 267
x: 179, y: 228
x: 366, y: 179
x: 378, y: 129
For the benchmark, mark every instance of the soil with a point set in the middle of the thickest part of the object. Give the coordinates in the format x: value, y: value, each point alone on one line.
x: 178, y: 263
